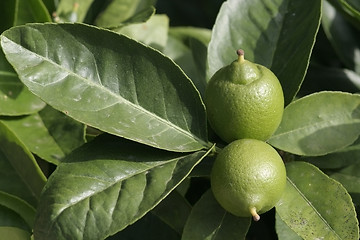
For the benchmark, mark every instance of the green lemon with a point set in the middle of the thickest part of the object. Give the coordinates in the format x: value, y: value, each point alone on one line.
x: 244, y: 100
x: 248, y: 178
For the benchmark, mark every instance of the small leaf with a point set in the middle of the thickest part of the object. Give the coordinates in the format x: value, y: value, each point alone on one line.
x: 109, y: 82
x: 19, y: 206
x: 208, y: 220
x: 318, y: 124
x: 350, y: 10
x: 14, y: 233
x: 316, y: 206
x: 10, y: 218
x: 49, y: 134
x: 343, y: 36
x: 153, y: 32
x: 349, y: 177
x: 277, y: 34
x: 20, y: 175
x: 149, y: 227
x: 72, y: 10
x: 174, y: 211
x: 106, y: 185
x: 338, y: 159
x: 119, y: 11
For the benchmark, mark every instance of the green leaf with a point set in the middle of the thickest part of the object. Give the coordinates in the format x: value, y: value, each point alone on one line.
x: 187, y: 46
x: 320, y: 78
x: 106, y: 185
x: 344, y: 37
x: 316, y: 206
x: 72, y: 10
x: 174, y: 210
x: 283, y: 231
x: 350, y: 9
x: 9, y: 218
x: 153, y: 33
x: 14, y: 233
x: 319, y: 123
x: 148, y: 227
x: 7, y: 17
x: 19, y: 173
x: 110, y: 82
x: 15, y: 98
x: 49, y: 134
x: 28, y: 11
x: 208, y: 220
x: 338, y: 159
x: 349, y: 177
x: 278, y: 34
x: 19, y: 206
x: 119, y: 11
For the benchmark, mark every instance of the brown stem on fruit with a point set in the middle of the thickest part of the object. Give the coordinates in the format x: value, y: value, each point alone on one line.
x: 255, y: 215
x: 240, y: 54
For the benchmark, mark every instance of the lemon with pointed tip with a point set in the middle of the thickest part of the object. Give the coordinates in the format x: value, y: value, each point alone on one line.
x: 244, y: 100
x: 248, y: 178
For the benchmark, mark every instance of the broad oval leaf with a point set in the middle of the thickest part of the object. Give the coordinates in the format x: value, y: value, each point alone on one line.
x: 316, y: 206
x: 110, y: 82
x: 208, y: 220
x: 319, y: 123
x: 278, y: 34
x: 106, y: 185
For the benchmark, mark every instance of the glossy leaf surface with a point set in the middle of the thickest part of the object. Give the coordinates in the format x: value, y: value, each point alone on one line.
x: 208, y: 220
x: 316, y: 206
x: 110, y: 82
x: 277, y: 34
x: 318, y: 124
x: 106, y: 185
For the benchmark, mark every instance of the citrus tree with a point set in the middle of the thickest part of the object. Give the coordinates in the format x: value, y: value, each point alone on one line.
x: 103, y: 127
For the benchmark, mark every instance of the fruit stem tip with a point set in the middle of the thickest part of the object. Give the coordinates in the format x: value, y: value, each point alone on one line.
x: 255, y: 215
x: 240, y: 54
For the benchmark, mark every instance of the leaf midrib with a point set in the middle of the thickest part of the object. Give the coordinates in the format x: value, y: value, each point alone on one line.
x: 140, y: 108
x: 312, y: 206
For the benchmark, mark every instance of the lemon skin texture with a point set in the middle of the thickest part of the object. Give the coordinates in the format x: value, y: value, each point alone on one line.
x: 248, y: 178
x: 244, y: 100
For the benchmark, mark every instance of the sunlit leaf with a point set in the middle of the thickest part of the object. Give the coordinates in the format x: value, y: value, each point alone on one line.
x: 109, y: 82
x: 106, y: 185
x: 316, y: 206
x: 318, y: 124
